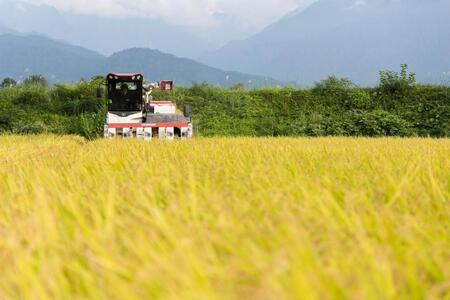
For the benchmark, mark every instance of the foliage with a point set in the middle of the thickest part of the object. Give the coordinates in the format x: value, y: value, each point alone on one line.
x: 37, y: 80
x: 8, y: 82
x: 6, y: 118
x: 377, y: 123
x: 334, y: 107
x: 224, y: 218
x: 34, y: 97
x: 76, y: 99
x: 97, y: 80
x: 394, y: 82
x: 332, y: 84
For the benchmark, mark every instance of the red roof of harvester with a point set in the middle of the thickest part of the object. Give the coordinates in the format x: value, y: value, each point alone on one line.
x: 124, y: 74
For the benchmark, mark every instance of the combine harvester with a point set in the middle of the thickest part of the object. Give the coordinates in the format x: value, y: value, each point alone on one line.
x: 131, y: 111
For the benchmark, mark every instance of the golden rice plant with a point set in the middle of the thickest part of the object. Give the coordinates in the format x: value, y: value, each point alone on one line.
x: 224, y: 218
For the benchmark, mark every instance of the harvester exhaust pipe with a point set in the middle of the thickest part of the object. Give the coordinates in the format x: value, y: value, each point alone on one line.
x: 187, y: 111
x: 99, y: 92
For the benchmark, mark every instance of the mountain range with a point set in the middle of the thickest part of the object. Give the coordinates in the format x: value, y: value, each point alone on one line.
x: 22, y: 55
x: 105, y: 35
x: 108, y: 35
x: 348, y: 38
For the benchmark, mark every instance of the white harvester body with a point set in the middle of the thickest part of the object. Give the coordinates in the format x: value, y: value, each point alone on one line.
x: 116, y: 119
x: 133, y: 113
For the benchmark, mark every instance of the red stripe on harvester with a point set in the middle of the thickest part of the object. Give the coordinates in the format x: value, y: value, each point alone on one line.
x: 148, y: 125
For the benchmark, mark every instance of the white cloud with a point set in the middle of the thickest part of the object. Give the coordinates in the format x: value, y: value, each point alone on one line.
x: 201, y: 13
x: 359, y: 3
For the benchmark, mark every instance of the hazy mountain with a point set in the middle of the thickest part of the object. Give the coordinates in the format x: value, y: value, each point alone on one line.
x: 24, y: 55
x: 104, y: 35
x: 156, y: 65
x: 351, y: 38
x: 107, y: 35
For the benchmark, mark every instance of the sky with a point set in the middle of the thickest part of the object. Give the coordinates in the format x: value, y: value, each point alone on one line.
x: 252, y: 14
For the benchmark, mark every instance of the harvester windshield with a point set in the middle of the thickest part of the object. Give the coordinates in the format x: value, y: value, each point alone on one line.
x: 131, y: 86
x: 125, y: 93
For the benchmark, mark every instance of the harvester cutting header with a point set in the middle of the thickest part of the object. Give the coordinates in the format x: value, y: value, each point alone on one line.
x: 132, y: 112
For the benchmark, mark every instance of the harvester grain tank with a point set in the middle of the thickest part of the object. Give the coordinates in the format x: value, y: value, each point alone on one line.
x: 132, y: 112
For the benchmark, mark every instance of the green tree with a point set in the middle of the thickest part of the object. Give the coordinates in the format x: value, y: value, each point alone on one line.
x: 8, y: 82
x: 394, y: 82
x: 36, y: 80
x: 238, y: 86
x: 97, y: 80
x: 332, y: 84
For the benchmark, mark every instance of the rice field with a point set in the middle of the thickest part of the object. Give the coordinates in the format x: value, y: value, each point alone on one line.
x: 224, y: 218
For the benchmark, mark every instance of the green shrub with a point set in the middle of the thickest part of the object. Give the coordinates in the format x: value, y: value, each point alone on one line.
x: 75, y: 99
x: 332, y: 85
x: 357, y: 98
x: 88, y: 125
x: 397, y: 83
x: 377, y: 123
x: 8, y: 114
x: 8, y: 82
x: 33, y: 98
x: 6, y: 120
x: 25, y: 126
x: 35, y: 80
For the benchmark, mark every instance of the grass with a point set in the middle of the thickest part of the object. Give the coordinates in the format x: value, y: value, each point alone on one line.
x: 224, y: 218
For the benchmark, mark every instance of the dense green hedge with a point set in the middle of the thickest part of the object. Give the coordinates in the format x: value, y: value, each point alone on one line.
x: 61, y: 109
x: 419, y: 111
x: 333, y: 107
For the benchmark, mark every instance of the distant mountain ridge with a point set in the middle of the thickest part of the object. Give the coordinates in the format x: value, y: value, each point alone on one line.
x: 158, y: 65
x: 349, y: 38
x: 107, y: 35
x: 58, y: 61
x: 102, y: 34
x: 24, y: 55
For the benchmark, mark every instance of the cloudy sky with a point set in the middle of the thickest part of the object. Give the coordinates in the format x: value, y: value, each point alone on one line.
x: 201, y: 13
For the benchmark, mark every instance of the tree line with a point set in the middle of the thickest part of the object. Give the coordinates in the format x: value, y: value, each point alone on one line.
x: 37, y: 79
x: 397, y: 106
